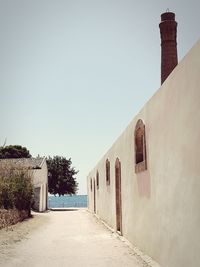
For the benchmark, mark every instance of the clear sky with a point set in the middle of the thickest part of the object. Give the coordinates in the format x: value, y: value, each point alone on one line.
x: 73, y: 73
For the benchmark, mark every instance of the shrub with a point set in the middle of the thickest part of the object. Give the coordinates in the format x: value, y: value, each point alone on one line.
x: 22, y: 191
x: 6, y: 197
x: 16, y: 189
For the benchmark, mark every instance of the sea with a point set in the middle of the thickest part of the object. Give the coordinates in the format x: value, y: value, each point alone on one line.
x: 75, y: 201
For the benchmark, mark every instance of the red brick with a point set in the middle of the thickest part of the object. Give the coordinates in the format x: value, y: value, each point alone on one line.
x: 168, y: 32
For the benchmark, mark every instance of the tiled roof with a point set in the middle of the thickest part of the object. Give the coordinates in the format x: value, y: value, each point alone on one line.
x: 31, y: 163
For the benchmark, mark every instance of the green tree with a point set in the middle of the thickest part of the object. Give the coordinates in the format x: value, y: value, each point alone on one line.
x: 15, y: 151
x: 61, y: 176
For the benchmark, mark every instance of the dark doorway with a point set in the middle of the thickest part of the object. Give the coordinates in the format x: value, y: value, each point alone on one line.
x: 94, y: 197
x: 118, y: 196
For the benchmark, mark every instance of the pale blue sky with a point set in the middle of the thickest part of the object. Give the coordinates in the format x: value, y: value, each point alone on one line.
x: 74, y: 73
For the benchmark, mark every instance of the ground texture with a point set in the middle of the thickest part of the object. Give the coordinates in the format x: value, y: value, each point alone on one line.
x: 64, y: 238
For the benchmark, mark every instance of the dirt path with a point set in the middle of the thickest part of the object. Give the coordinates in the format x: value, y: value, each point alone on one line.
x: 64, y: 238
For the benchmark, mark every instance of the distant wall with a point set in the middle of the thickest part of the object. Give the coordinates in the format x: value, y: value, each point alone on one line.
x: 36, y: 203
x: 160, y: 206
x: 12, y: 216
x: 40, y: 183
x: 40, y: 175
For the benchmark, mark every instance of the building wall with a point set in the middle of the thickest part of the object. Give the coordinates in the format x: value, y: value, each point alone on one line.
x: 36, y: 203
x: 40, y: 181
x: 160, y: 206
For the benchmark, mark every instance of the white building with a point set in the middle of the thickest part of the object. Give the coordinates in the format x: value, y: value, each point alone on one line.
x: 39, y: 174
x: 147, y: 186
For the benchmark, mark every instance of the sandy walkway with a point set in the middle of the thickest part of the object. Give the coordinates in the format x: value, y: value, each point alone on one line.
x: 63, y: 238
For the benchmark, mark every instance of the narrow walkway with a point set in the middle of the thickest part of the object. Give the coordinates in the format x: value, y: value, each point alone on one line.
x: 66, y: 238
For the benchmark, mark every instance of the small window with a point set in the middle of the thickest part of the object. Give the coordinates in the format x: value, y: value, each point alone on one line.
x: 97, y: 179
x: 91, y: 184
x: 140, y: 147
x: 107, y: 172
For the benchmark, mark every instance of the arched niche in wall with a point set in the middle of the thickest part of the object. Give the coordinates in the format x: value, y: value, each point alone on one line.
x: 140, y: 147
x: 118, y: 195
x: 107, y: 172
x: 97, y: 179
x: 91, y: 184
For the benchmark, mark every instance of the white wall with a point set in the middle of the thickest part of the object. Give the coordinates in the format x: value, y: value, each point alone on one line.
x: 40, y: 179
x: 160, y: 206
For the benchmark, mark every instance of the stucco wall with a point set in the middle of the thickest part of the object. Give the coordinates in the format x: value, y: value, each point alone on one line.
x: 40, y: 180
x: 160, y: 206
x: 40, y: 175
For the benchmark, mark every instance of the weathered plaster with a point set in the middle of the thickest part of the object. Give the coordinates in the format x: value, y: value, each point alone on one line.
x: 160, y: 206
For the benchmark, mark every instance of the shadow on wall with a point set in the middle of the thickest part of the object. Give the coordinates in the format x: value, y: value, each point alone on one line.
x: 144, y: 184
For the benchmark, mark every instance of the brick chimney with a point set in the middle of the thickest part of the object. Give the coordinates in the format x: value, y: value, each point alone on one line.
x: 169, y: 58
